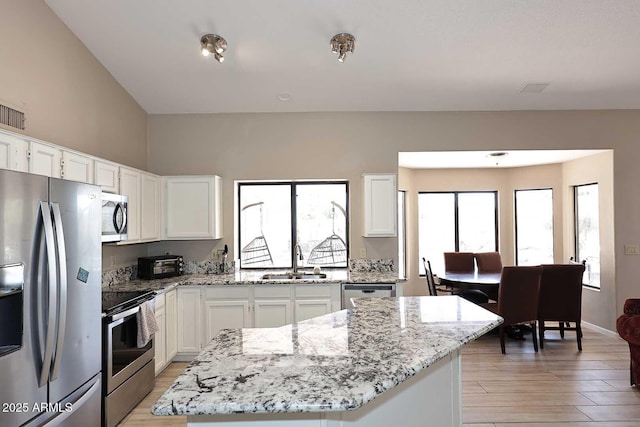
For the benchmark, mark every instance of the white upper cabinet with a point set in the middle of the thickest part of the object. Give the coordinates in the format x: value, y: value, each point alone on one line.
x: 193, y: 207
x: 106, y: 176
x: 13, y: 153
x: 150, y: 207
x: 44, y: 159
x: 380, y: 205
x: 131, y: 186
x: 76, y: 167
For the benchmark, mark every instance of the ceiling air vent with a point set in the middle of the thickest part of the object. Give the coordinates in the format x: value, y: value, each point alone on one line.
x: 11, y: 117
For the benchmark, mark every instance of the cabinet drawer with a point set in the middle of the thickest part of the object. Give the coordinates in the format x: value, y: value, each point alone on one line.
x: 225, y: 292
x: 270, y: 291
x: 313, y: 290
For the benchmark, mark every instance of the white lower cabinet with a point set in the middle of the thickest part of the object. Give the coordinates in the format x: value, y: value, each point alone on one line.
x: 316, y: 300
x: 244, y: 306
x: 189, y: 321
x: 226, y: 308
x: 272, y: 306
x: 160, y: 337
x: 171, y: 310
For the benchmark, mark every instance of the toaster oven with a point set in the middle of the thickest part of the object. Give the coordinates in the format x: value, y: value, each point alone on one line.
x: 158, y: 267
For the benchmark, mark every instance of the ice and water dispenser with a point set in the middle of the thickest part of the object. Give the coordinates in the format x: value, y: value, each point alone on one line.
x: 11, y: 306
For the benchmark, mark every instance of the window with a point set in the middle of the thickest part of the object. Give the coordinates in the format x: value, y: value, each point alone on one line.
x: 587, y: 231
x: 456, y: 221
x: 272, y: 215
x: 534, y: 226
x: 402, y: 236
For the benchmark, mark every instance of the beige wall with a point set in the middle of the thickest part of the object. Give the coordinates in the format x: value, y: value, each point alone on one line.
x: 68, y: 97
x: 586, y: 171
x: 345, y: 145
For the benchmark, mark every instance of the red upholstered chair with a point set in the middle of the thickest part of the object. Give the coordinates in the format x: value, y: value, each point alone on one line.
x: 628, y: 326
x: 488, y: 262
x: 561, y: 299
x: 459, y: 262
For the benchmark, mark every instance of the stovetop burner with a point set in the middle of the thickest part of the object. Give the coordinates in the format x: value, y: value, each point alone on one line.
x: 117, y: 301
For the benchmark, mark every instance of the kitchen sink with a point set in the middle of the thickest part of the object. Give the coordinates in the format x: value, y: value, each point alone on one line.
x: 298, y: 275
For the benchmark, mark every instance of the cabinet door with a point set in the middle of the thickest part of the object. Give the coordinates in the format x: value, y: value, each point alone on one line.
x: 225, y: 315
x: 189, y: 338
x: 170, y: 307
x: 44, y: 160
x: 150, y: 208
x: 380, y: 205
x: 13, y: 153
x: 130, y: 185
x: 159, y: 340
x: 272, y: 313
x: 193, y: 207
x: 76, y: 167
x: 307, y: 309
x: 106, y: 176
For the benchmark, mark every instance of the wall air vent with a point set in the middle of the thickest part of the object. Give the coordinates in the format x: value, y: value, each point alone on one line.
x: 11, y: 117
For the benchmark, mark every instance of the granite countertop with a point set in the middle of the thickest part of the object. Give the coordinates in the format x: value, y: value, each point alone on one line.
x: 253, y: 277
x: 335, y: 362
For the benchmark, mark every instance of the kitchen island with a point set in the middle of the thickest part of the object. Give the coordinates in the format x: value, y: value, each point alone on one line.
x: 387, y: 361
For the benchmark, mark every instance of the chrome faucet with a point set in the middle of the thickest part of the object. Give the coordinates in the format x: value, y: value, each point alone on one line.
x: 297, y: 255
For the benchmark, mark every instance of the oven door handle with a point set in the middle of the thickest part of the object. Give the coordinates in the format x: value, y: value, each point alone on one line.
x: 127, y: 313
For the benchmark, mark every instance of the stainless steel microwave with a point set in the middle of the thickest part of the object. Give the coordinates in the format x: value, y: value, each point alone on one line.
x: 114, y: 217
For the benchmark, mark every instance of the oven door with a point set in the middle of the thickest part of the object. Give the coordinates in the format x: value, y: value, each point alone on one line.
x: 122, y: 356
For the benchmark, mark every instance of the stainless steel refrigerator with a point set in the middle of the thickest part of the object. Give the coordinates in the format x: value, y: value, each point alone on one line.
x: 50, y: 301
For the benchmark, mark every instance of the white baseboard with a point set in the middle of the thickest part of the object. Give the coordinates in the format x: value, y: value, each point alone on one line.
x: 600, y: 329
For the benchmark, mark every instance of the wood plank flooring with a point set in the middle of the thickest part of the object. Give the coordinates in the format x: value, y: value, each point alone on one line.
x: 557, y: 387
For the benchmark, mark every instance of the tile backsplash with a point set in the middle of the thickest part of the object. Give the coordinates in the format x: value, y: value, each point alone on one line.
x: 371, y: 265
x: 125, y: 274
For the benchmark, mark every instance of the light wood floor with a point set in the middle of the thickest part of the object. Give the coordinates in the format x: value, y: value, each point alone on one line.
x: 559, y: 386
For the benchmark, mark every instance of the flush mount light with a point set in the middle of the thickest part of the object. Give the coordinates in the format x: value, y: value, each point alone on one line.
x: 213, y: 44
x: 341, y: 44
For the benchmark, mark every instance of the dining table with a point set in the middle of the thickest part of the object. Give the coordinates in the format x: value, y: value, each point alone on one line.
x: 486, y: 282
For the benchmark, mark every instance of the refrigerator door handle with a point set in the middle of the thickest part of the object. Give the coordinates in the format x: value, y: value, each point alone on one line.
x: 62, y: 283
x: 52, y: 291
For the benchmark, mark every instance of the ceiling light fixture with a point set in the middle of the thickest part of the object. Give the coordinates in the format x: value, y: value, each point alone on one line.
x: 497, y: 155
x: 213, y: 44
x: 341, y: 44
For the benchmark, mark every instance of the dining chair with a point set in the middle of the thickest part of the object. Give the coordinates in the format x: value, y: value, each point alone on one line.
x: 560, y: 299
x: 518, y: 300
x: 431, y: 283
x: 459, y: 262
x: 474, y: 295
x: 488, y: 262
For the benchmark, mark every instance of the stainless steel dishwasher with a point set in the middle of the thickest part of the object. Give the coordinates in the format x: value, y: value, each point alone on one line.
x: 358, y: 290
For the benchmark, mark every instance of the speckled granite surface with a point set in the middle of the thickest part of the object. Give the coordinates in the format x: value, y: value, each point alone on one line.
x: 335, y: 362
x: 251, y: 278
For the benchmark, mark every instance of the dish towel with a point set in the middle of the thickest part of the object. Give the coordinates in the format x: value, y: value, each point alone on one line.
x: 147, y: 325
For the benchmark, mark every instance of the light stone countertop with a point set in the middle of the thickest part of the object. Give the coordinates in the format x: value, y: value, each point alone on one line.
x: 253, y: 277
x: 336, y: 362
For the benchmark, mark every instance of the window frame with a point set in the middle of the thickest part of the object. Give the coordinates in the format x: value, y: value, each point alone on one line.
x: 456, y: 215
x: 576, y: 233
x: 293, y: 232
x: 515, y: 219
